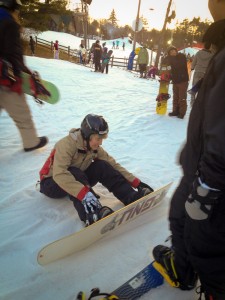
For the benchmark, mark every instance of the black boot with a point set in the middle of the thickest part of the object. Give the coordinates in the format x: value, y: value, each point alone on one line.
x: 104, y: 212
x: 42, y: 143
x: 165, y: 257
x: 173, y: 114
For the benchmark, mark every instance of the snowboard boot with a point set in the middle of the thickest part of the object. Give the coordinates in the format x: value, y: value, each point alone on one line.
x: 138, y: 195
x: 42, y: 143
x: 180, y: 116
x: 165, y: 265
x: 173, y: 114
x: 104, y: 212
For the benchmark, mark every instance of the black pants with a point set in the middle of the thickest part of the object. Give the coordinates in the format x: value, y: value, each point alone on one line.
x: 199, y: 245
x: 105, y: 68
x: 97, y: 65
x: 99, y: 171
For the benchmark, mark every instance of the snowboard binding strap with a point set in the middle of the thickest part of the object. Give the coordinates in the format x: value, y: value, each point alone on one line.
x: 168, y: 277
x: 163, y: 97
x: 95, y: 292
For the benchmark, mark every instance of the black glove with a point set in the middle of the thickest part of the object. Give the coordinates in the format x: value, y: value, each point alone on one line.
x: 36, y: 86
x: 144, y: 186
x: 92, y: 206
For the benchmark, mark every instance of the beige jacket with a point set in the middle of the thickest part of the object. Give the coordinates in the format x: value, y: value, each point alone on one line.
x: 71, y: 152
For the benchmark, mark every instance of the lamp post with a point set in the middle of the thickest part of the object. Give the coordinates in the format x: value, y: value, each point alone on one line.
x: 136, y: 25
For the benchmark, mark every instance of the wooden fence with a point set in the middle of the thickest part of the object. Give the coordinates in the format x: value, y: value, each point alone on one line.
x: 74, y: 55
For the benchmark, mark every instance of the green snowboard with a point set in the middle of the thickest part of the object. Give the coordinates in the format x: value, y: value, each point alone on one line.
x: 53, y: 90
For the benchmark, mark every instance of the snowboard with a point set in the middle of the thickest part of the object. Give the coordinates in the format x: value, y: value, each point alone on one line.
x: 87, y: 236
x: 134, y: 288
x: 53, y: 90
x: 163, y: 96
x: 140, y: 284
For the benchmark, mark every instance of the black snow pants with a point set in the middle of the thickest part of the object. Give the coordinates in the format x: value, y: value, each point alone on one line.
x: 99, y: 171
x: 199, y: 245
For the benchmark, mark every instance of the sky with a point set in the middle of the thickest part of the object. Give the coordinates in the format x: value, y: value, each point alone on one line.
x: 126, y: 11
x: 142, y: 141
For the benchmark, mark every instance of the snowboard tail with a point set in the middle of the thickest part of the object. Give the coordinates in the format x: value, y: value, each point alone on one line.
x: 138, y: 285
x: 49, y: 86
x: 87, y: 236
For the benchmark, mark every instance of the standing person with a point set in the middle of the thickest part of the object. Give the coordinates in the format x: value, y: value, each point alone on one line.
x: 12, y: 98
x: 83, y: 54
x: 97, y: 50
x: 142, y: 60
x: 105, y: 59
x: 31, y: 43
x: 123, y: 46
x: 78, y: 162
x: 117, y: 44
x: 197, y: 208
x: 199, y: 65
x: 152, y: 72
x: 56, y: 49
x: 180, y: 78
x: 113, y: 45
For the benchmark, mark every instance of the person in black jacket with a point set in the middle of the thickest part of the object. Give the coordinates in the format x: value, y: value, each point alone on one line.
x: 197, y: 211
x: 12, y: 98
x: 180, y: 79
x: 97, y: 50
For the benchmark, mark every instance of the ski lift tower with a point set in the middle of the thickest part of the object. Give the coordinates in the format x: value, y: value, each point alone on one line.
x: 162, y: 34
x: 137, y: 25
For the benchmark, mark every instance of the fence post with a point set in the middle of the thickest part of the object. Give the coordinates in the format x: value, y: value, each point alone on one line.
x: 68, y: 52
x: 112, y: 61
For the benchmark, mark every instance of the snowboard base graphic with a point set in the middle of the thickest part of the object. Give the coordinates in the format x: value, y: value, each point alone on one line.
x: 163, y: 96
x: 87, y: 236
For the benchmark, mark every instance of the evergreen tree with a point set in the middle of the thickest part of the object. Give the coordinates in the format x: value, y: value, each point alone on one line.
x: 112, y: 18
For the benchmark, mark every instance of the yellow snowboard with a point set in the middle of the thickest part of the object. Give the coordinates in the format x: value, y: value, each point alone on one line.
x: 163, y: 96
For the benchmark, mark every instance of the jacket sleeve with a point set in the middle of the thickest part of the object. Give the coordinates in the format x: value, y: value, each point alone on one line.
x: 212, y: 161
x: 13, y: 48
x: 194, y: 62
x: 62, y: 161
x: 102, y: 154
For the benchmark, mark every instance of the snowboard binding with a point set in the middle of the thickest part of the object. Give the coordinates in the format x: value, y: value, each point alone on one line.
x: 95, y: 292
x: 163, y: 97
x: 166, y: 77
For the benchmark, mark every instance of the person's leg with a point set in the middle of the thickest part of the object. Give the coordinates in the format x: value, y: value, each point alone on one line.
x: 175, y: 100
x: 182, y: 99
x: 176, y: 260
x: 206, y: 247
x: 51, y: 189
x: 107, y: 68
x: 18, y: 109
x: 101, y: 171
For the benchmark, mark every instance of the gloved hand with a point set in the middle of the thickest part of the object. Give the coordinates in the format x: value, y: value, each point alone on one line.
x: 36, y: 85
x: 92, y: 206
x: 145, y: 188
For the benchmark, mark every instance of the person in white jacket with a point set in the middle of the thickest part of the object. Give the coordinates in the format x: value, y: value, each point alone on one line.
x: 199, y: 65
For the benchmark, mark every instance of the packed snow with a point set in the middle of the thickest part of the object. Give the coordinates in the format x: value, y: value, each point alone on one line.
x: 145, y: 143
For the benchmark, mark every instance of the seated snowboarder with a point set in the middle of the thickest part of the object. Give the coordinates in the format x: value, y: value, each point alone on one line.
x: 78, y: 162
